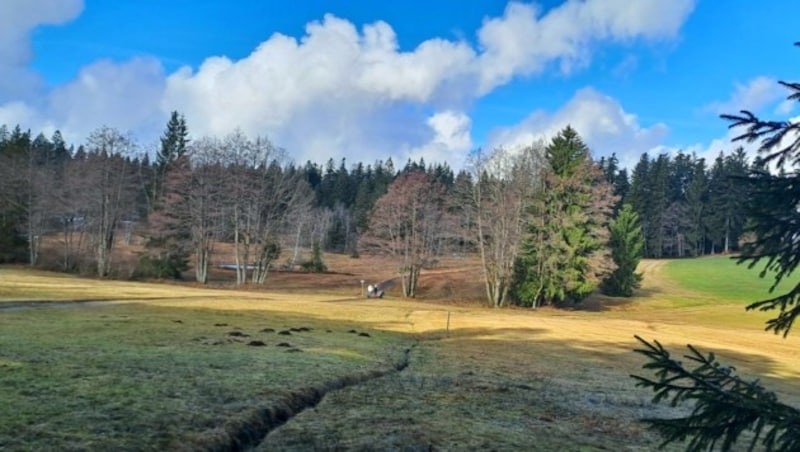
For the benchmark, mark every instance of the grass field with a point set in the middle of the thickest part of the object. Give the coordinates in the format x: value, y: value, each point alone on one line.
x: 724, y: 279
x: 159, y: 366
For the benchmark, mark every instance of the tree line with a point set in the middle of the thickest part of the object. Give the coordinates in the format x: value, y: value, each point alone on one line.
x: 547, y: 221
x: 192, y: 195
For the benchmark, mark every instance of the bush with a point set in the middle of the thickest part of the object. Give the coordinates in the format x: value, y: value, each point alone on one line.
x: 315, y: 265
x: 155, y: 267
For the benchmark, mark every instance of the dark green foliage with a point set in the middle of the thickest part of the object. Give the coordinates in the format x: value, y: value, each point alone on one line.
x: 13, y: 244
x: 156, y: 267
x: 173, y: 142
x: 168, y: 247
x: 169, y: 242
x: 15, y: 190
x: 686, y: 209
x: 726, y: 214
x: 566, y: 153
x: 173, y: 146
x: 696, y: 206
x: 315, y: 264
x: 723, y: 405
x: 617, y: 177
x: 627, y: 243
x: 564, y: 255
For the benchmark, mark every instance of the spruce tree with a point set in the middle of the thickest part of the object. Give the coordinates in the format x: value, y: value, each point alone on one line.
x: 174, y: 142
x: 627, y: 243
x: 696, y: 200
x: 564, y: 256
x: 168, y: 247
x: 723, y: 404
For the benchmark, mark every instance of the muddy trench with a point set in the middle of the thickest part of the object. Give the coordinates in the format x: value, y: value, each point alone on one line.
x: 249, y: 430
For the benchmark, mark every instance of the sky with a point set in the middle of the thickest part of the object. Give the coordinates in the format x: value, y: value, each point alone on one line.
x: 434, y: 79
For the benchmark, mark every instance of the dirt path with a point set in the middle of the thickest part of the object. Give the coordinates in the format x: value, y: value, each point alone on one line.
x: 656, y: 281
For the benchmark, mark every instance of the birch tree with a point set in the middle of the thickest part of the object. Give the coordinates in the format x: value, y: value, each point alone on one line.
x: 108, y: 190
x: 506, y: 183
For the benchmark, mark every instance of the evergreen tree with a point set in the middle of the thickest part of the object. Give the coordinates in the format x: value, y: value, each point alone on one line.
x: 617, y: 177
x: 726, y: 211
x: 622, y: 185
x: 723, y: 404
x: 658, y: 203
x: 315, y: 264
x: 173, y: 146
x: 564, y: 257
x: 169, y: 241
x: 14, y: 187
x: 169, y: 245
x: 639, y: 195
x: 696, y: 199
x: 627, y: 243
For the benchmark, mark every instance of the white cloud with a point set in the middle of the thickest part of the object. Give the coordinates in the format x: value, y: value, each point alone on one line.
x: 451, y: 140
x: 17, y: 19
x: 126, y: 96
x: 786, y: 107
x: 753, y: 96
x: 521, y: 43
x: 599, y: 119
x: 338, y: 90
x: 726, y: 145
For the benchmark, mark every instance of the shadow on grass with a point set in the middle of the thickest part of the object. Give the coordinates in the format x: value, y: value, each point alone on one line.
x: 495, y: 387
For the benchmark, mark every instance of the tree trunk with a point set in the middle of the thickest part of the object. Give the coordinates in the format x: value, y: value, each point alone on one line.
x: 201, y: 266
x: 297, y: 242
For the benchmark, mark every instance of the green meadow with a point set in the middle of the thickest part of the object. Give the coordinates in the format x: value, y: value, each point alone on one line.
x: 169, y: 367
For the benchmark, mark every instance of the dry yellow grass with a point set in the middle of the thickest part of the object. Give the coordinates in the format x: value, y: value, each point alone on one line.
x: 577, y: 357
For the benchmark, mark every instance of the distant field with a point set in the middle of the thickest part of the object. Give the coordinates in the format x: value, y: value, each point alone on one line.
x: 723, y: 279
x: 166, y: 366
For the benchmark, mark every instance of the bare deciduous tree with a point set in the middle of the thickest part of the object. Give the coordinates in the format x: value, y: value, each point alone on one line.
x: 505, y: 182
x: 107, y: 190
x: 205, y: 202
x: 406, y: 224
x: 262, y: 194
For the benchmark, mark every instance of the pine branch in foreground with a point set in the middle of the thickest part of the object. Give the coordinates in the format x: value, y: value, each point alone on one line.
x: 725, y: 406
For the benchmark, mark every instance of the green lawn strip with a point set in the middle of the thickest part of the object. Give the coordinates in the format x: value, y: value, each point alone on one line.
x: 136, y: 377
x: 724, y: 280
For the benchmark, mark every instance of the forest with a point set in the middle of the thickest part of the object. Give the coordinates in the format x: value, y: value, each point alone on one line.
x: 541, y: 218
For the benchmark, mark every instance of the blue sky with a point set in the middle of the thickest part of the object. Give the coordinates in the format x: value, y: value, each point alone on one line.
x: 432, y: 79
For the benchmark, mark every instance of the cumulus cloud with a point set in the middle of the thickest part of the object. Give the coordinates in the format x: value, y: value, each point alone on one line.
x: 522, y: 42
x: 725, y: 144
x: 786, y: 107
x: 599, y: 119
x: 753, y: 96
x: 451, y: 140
x: 17, y: 19
x: 756, y: 96
x: 339, y: 90
x: 123, y: 95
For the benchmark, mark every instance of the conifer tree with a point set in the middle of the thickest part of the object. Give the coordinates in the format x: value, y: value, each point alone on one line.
x: 564, y: 256
x: 169, y: 241
x: 173, y: 146
x: 626, y: 243
x: 696, y: 199
x: 723, y: 404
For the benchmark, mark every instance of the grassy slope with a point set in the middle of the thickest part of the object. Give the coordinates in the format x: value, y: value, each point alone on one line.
x: 502, y: 379
x: 722, y: 279
x: 134, y: 376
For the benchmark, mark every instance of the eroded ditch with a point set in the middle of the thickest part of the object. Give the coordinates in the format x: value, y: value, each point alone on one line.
x: 249, y: 430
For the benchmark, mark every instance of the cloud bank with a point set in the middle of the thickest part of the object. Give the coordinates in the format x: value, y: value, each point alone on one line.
x: 340, y: 90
